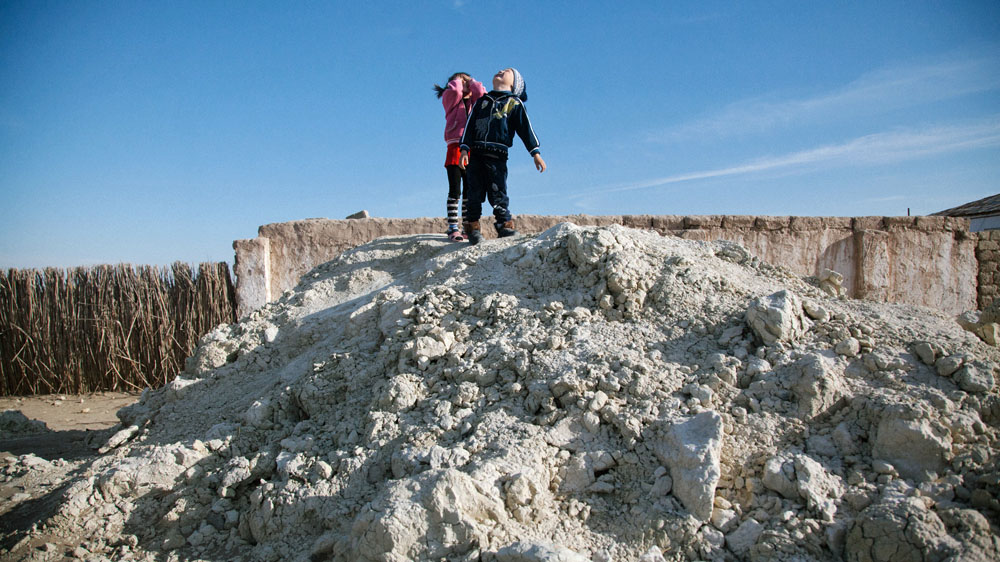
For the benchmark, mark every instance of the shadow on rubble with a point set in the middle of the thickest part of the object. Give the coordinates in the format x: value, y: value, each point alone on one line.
x: 67, y: 445
x: 26, y: 516
x: 17, y: 523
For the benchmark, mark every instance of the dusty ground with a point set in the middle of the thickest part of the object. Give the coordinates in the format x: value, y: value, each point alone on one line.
x: 63, y: 412
x: 69, y: 417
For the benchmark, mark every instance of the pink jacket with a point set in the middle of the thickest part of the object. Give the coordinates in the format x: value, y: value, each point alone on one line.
x: 456, y: 109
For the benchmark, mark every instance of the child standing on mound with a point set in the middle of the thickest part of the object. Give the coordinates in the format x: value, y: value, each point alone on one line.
x: 458, y: 97
x: 489, y: 132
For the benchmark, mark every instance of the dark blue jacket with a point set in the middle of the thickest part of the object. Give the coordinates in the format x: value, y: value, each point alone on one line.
x: 494, y: 120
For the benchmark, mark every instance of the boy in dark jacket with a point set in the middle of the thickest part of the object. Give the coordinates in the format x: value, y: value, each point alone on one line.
x: 489, y: 132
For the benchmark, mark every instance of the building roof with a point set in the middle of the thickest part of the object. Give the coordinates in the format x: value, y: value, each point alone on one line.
x: 988, y: 206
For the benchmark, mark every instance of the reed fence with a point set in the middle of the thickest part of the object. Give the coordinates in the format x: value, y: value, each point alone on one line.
x: 106, y: 328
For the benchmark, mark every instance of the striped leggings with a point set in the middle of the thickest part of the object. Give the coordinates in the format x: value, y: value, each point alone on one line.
x: 456, y: 178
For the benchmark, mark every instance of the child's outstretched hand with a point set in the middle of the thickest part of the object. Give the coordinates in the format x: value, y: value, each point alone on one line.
x: 539, y: 163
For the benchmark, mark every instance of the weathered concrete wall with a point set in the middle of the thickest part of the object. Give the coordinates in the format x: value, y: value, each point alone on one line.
x: 253, y: 274
x: 926, y: 261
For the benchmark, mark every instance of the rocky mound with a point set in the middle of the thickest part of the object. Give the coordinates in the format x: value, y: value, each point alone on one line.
x: 15, y: 424
x: 589, y: 394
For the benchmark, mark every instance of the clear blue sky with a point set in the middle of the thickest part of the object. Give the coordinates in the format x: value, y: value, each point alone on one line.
x: 150, y: 132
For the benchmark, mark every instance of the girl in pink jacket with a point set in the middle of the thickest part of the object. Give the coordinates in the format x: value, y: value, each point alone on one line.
x: 457, y: 97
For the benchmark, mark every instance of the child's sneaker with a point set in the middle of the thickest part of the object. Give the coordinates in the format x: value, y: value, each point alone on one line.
x: 455, y: 235
x: 473, y: 232
x: 506, y: 229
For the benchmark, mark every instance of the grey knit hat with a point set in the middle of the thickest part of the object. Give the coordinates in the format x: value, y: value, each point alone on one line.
x: 518, y: 88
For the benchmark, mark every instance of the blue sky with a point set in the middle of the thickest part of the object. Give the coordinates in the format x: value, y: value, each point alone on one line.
x: 151, y: 132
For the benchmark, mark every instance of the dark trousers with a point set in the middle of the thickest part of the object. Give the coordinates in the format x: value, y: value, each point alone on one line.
x: 456, y: 176
x: 486, y: 178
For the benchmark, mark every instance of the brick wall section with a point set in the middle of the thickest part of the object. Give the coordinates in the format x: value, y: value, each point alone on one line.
x: 988, y: 254
x: 925, y: 261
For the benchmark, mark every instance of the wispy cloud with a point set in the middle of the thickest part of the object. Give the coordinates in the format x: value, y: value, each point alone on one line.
x: 878, y: 91
x: 878, y: 148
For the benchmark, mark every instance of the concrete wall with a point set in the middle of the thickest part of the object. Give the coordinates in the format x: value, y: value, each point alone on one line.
x: 926, y: 261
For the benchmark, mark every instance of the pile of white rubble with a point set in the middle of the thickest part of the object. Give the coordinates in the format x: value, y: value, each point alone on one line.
x: 588, y: 394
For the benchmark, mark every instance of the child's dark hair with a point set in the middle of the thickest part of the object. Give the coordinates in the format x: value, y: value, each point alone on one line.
x: 440, y: 90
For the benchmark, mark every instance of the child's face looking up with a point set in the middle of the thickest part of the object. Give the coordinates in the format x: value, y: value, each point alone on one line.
x: 503, y: 80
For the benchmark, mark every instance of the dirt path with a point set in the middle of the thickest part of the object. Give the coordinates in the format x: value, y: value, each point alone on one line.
x: 72, y: 419
x: 65, y: 412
